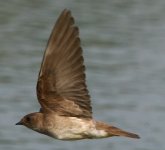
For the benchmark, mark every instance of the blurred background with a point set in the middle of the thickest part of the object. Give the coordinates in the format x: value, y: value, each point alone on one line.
x: 123, y: 43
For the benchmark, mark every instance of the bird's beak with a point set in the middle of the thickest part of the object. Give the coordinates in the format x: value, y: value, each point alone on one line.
x: 19, y: 123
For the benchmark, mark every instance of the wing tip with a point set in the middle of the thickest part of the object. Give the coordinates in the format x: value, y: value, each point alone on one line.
x: 67, y: 11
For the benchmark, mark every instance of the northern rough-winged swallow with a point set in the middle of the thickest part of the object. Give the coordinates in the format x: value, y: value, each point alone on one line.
x: 66, y: 111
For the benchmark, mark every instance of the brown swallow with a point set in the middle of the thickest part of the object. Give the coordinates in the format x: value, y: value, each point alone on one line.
x: 66, y: 111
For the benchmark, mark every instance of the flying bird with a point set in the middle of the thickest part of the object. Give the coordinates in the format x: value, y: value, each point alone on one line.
x: 66, y: 112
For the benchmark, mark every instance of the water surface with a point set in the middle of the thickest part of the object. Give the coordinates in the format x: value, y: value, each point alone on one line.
x: 123, y: 44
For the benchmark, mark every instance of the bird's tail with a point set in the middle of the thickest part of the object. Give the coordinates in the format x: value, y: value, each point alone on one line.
x: 114, y: 131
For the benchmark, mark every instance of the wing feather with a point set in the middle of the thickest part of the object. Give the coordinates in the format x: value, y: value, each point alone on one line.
x: 61, y: 85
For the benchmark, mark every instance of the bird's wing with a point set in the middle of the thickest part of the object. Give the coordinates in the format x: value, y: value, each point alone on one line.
x: 61, y: 86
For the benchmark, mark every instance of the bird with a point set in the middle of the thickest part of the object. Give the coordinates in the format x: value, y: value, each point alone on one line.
x: 66, y: 111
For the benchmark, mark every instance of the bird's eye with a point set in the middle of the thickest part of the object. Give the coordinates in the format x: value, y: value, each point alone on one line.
x: 28, y: 119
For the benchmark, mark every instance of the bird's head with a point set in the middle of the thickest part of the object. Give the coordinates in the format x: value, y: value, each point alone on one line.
x: 33, y: 121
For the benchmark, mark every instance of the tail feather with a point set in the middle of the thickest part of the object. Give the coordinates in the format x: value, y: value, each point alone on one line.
x: 114, y: 131
x: 119, y: 132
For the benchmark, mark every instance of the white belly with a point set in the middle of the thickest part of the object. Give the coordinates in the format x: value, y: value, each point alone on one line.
x: 76, y: 129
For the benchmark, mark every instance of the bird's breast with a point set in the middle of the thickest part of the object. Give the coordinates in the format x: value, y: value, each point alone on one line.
x: 71, y: 128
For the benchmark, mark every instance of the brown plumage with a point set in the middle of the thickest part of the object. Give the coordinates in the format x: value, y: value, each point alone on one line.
x: 62, y: 71
x: 66, y: 111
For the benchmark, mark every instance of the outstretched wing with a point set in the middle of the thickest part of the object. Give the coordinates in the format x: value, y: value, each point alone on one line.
x: 61, y: 86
